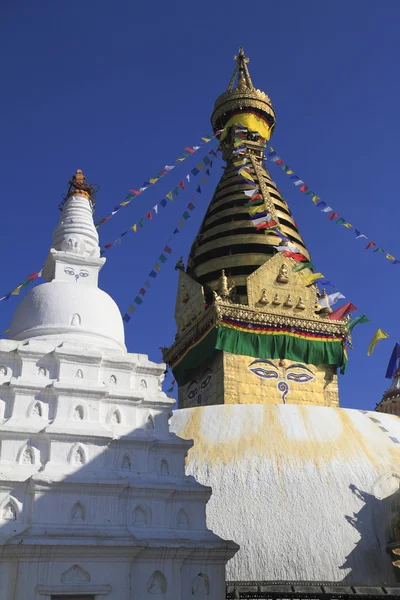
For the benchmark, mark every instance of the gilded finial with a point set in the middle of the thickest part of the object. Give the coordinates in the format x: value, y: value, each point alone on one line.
x: 78, y: 186
x: 242, y: 72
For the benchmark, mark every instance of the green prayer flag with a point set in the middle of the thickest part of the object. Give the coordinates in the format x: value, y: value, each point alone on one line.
x: 303, y: 265
x: 358, y: 321
x: 379, y: 250
x: 340, y: 221
x: 186, y: 215
x: 254, y: 203
x: 162, y: 258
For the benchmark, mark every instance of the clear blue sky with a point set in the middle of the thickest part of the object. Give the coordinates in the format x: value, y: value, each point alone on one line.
x: 119, y: 88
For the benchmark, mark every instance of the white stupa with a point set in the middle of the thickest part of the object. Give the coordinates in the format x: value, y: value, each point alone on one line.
x: 94, y: 502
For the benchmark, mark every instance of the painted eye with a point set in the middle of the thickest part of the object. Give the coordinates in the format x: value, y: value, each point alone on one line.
x: 84, y: 274
x: 299, y: 377
x: 192, y: 393
x: 264, y: 373
x: 69, y: 271
x: 206, y: 381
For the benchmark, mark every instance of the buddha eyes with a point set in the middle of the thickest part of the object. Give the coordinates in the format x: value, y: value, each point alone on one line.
x: 69, y: 271
x: 264, y: 373
x: 83, y: 274
x: 206, y: 381
x: 299, y: 377
x: 192, y: 393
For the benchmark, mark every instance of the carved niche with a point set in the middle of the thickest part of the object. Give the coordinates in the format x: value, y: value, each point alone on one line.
x: 189, y: 304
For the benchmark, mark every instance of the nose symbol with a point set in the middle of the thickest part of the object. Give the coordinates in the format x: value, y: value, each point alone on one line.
x: 76, y: 276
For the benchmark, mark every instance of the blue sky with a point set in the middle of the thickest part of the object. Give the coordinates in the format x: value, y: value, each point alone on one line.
x: 119, y: 89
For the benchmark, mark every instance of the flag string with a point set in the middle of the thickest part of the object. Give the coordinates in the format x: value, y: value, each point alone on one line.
x: 162, y: 258
x: 133, y: 193
x: 203, y: 166
x: 324, y: 208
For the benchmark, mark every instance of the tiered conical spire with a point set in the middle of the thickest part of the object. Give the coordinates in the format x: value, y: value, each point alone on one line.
x: 228, y: 239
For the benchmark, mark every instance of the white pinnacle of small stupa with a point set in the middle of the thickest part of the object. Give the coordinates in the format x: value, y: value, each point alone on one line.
x: 70, y: 306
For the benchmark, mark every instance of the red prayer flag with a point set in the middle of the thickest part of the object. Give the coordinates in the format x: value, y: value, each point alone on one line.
x: 149, y: 215
x: 303, y: 188
x: 266, y: 225
x: 370, y: 245
x: 279, y: 162
x: 333, y: 216
x: 182, y: 184
x: 255, y: 197
x: 295, y: 255
x: 341, y: 312
x: 108, y: 246
x: 32, y: 276
x: 137, y: 192
x: 189, y: 149
x: 167, y: 249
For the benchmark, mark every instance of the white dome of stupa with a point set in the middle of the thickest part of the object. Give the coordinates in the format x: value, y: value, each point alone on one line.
x: 69, y: 312
x: 71, y: 307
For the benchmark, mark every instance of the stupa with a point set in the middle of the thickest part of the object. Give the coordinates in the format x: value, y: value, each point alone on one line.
x: 308, y: 490
x: 94, y: 501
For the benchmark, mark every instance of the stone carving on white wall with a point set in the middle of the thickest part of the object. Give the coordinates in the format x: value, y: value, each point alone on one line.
x: 78, y: 512
x: 157, y: 583
x: 200, y: 585
x: 116, y: 417
x: 164, y: 469
x: 27, y: 457
x: 126, y: 463
x: 78, y: 413
x: 74, y: 245
x: 150, y: 423
x: 143, y: 384
x: 42, y: 372
x: 3, y: 370
x: 76, y: 320
x: 75, y: 575
x: 9, y: 512
x: 79, y: 374
x: 139, y: 517
x: 77, y: 455
x: 113, y: 380
x: 36, y: 410
x: 182, y: 519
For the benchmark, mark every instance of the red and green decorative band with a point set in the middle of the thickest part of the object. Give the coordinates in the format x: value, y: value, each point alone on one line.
x: 260, y: 341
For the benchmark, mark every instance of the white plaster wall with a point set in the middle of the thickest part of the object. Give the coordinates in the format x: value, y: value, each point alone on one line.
x: 309, y: 493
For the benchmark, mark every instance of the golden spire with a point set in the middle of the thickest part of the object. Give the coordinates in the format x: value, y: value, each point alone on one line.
x: 241, y: 70
x: 242, y: 97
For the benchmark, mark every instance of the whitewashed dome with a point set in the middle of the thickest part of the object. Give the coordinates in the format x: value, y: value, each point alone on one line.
x: 66, y: 311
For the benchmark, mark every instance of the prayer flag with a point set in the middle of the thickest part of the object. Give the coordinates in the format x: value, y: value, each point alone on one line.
x: 136, y: 192
x: 125, y: 203
x: 379, y: 250
x: 310, y: 279
x: 169, y: 195
x: 330, y: 299
x: 198, y: 189
x: 33, y: 276
x: 348, y: 225
x: 182, y: 184
x: 251, y: 193
x: 370, y: 245
x: 295, y: 255
x: 303, y: 188
x: 195, y: 171
x: 186, y: 215
x: 181, y: 223
x: 147, y: 283
x: 167, y: 249
x: 191, y: 206
x: 358, y: 321
x: 168, y: 168
x: 163, y: 202
x: 188, y: 178
x: 134, y: 228
x: 153, y: 274
x: 206, y: 160
x: 322, y: 203
x: 203, y: 180
x: 176, y: 230
x: 141, y: 222
x: 379, y: 335
x: 157, y: 267
x: 149, y: 215
x: 245, y: 174
x: 342, y: 311
x: 340, y: 221
x: 254, y: 203
x: 290, y: 248
x: 327, y: 209
x: 189, y: 149
x: 267, y: 225
x: 162, y: 258
x: 138, y: 300
x: 390, y: 257
x: 304, y: 265
x: 175, y: 191
x: 200, y: 166
x: 392, y: 366
x: 126, y: 318
x: 299, y: 182
x: 315, y: 199
x: 396, y: 262
x: 333, y: 216
x: 142, y: 291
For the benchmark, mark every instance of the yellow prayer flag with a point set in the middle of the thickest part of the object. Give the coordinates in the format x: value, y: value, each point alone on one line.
x: 124, y: 203
x: 239, y: 143
x: 6, y: 331
x: 200, y: 166
x: 379, y: 335
x: 312, y: 278
x: 203, y: 180
x: 134, y: 227
x: 315, y: 199
x: 390, y: 257
x: 289, y: 172
x: 169, y: 196
x: 245, y: 174
x: 17, y: 290
x: 154, y: 179
x: 179, y: 159
x: 131, y: 308
x: 240, y: 162
x: 348, y: 225
x: 250, y: 121
x: 255, y: 209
